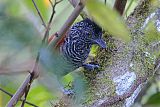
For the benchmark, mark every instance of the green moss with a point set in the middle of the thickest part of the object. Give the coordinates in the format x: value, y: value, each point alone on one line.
x: 96, y: 89
x: 141, y: 12
x: 97, y: 82
x: 104, y: 56
x: 100, y: 83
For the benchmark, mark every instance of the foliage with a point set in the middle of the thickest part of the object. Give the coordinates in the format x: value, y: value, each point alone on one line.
x: 154, y: 99
x: 108, y: 19
x: 20, y: 36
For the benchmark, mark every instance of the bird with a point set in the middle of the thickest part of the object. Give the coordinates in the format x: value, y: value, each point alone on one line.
x: 75, y: 48
x: 79, y: 40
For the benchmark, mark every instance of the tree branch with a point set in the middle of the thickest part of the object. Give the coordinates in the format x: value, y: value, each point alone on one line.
x: 118, y: 67
x: 43, y: 23
x: 120, y: 6
x: 45, y: 39
x: 74, y: 3
x: 128, y: 7
x: 144, y: 9
x: 112, y: 100
x: 105, y: 2
x: 13, y: 72
x: 34, y: 73
x: 67, y: 24
x: 9, y: 94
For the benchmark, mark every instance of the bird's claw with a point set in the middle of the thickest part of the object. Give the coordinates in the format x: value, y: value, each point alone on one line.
x: 67, y: 91
x: 91, y: 66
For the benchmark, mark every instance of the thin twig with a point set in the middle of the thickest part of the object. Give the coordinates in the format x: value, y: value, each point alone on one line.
x: 25, y: 94
x: 43, y: 23
x: 9, y: 94
x: 67, y: 24
x: 43, y: 42
x: 45, y: 39
x: 19, y: 92
x: 120, y: 6
x: 20, y: 99
x: 6, y: 92
x: 105, y: 2
x: 34, y: 73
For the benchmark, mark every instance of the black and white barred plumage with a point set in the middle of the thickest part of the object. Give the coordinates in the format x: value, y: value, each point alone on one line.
x: 80, y: 37
x: 75, y: 49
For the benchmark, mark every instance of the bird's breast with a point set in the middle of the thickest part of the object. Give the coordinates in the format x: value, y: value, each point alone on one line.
x: 75, y: 51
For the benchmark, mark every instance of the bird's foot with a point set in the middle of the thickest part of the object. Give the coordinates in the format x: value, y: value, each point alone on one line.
x: 91, y: 66
x: 67, y: 91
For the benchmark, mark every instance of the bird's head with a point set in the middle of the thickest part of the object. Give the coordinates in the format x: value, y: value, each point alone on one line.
x: 92, y: 33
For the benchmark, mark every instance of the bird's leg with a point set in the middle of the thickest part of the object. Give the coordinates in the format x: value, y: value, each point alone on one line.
x: 90, y: 66
x: 67, y: 89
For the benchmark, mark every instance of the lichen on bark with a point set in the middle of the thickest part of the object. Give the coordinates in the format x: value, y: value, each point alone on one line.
x: 125, y: 67
x: 124, y: 61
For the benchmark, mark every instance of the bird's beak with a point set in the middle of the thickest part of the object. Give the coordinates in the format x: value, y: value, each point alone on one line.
x: 100, y: 42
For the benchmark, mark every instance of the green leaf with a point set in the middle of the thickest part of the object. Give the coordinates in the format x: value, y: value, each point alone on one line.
x: 9, y: 84
x: 39, y: 95
x: 151, y: 33
x: 80, y: 86
x: 154, y: 99
x: 108, y: 19
x: 17, y: 33
x: 67, y: 79
x: 42, y: 7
